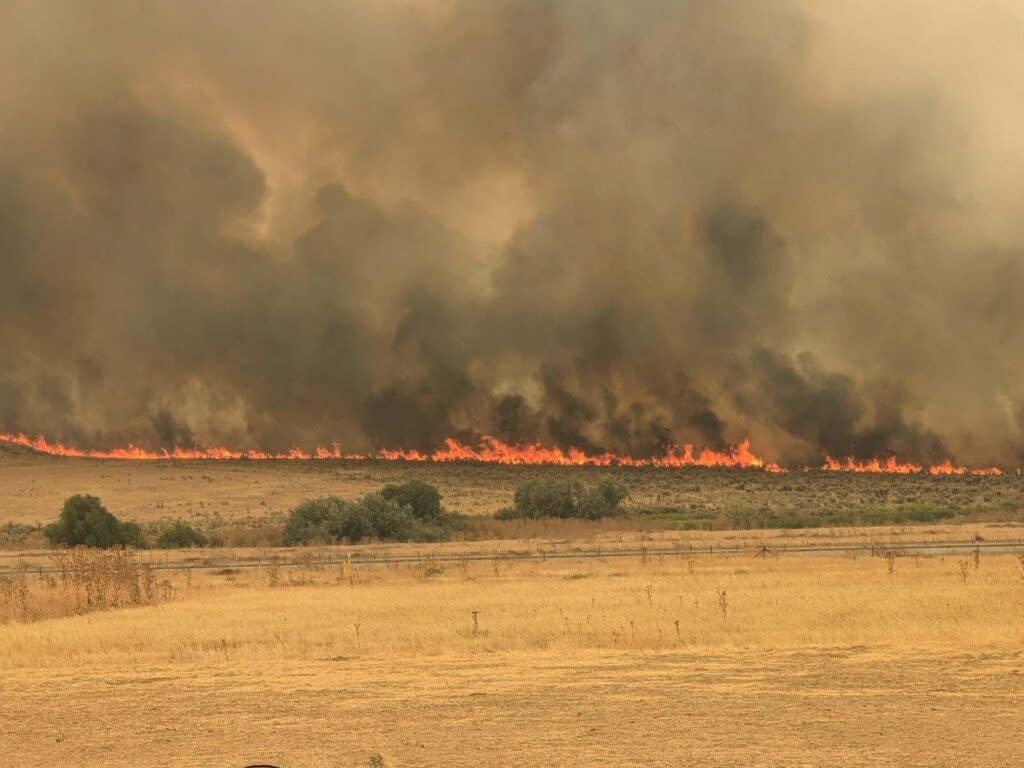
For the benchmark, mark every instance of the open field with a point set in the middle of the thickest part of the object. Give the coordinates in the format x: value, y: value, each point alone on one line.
x: 722, y: 660
x: 255, y: 494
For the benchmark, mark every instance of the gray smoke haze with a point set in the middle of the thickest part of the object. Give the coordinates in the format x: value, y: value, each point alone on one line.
x: 593, y: 223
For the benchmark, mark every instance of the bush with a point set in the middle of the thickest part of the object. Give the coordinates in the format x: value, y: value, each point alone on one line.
x: 388, y: 521
x: 180, y: 535
x: 350, y: 522
x: 85, y: 522
x: 331, y: 520
x: 545, y: 498
x: 564, y: 499
x: 602, y: 500
x: 312, y: 521
x: 422, y: 499
x: 131, y: 535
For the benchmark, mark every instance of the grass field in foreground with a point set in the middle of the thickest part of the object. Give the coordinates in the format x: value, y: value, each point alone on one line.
x: 787, y: 661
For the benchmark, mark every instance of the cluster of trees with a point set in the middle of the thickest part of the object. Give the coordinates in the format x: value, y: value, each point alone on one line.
x: 409, y: 511
x: 404, y: 512
x: 85, y: 522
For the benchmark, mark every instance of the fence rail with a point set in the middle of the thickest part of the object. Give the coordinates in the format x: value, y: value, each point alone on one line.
x: 371, y: 559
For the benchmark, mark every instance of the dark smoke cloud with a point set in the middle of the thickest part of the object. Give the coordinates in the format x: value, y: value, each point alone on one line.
x: 830, y: 410
x: 607, y: 225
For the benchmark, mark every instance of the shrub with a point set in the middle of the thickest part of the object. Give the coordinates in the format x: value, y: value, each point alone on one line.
x: 131, y: 535
x: 564, y: 499
x: 310, y: 521
x: 546, y: 498
x: 180, y: 535
x: 350, y: 521
x: 601, y: 500
x: 375, y: 516
x: 85, y: 522
x: 423, y: 499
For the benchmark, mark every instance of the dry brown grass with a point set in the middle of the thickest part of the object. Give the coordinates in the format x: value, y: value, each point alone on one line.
x: 243, y: 501
x: 80, y: 581
x: 707, y: 660
x: 427, y: 608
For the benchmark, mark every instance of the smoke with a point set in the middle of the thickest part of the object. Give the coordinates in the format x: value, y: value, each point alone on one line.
x: 605, y: 225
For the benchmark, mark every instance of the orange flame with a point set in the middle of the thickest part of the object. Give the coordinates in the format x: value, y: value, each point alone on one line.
x: 134, y: 453
x: 948, y: 468
x: 889, y: 466
x: 491, y: 450
x: 893, y: 467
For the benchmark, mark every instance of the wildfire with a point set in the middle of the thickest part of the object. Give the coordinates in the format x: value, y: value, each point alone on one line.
x: 491, y: 450
x: 948, y: 468
x: 889, y: 466
x: 893, y: 467
x: 134, y: 453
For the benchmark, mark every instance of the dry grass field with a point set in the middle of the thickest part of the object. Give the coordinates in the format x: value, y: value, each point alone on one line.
x: 655, y: 660
x: 33, y: 487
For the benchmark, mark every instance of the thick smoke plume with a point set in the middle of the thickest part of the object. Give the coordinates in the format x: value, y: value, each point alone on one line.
x: 593, y: 223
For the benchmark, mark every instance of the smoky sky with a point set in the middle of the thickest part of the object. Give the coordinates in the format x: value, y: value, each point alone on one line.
x: 615, y: 226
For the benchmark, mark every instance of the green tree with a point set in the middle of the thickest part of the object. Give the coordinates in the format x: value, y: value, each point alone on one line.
x: 85, y: 522
x: 422, y: 499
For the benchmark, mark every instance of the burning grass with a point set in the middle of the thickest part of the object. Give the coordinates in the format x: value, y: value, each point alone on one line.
x: 491, y: 450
